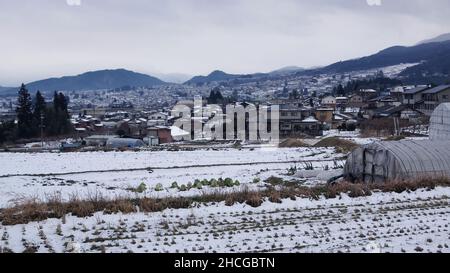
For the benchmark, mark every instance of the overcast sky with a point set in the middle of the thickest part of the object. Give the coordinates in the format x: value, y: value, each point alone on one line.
x: 45, y: 38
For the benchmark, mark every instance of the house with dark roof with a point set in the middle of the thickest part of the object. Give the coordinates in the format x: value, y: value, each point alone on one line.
x: 433, y: 97
x: 413, y: 97
x: 402, y: 112
x: 382, y: 101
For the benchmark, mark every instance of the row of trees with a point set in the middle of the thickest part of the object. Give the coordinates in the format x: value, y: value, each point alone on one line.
x: 216, y: 97
x: 379, y: 83
x: 34, y: 115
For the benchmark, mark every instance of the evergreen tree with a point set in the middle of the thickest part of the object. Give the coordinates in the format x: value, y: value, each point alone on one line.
x: 235, y: 96
x: 24, y: 114
x: 339, y: 91
x: 294, y: 94
x: 215, y: 96
x: 7, y: 131
x: 56, y: 102
x: 65, y: 126
x: 58, y: 116
x: 40, y: 107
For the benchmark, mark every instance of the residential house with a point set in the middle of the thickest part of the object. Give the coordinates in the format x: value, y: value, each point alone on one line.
x: 162, y: 133
x: 382, y: 101
x: 290, y: 117
x: 355, y: 101
x: 397, y: 92
x: 310, y: 126
x: 329, y: 101
x: 433, y: 97
x: 402, y: 112
x: 413, y: 97
x: 341, y: 101
x: 341, y: 120
x: 158, y: 119
x: 325, y: 115
x: 367, y: 94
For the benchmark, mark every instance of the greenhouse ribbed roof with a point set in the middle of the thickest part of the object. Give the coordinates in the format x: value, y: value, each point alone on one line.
x: 440, y: 123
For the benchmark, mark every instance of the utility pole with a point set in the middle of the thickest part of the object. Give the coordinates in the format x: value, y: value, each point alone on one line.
x: 42, y: 131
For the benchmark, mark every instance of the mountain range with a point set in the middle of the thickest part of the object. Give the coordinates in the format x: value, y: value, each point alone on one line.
x: 94, y: 80
x: 431, y: 56
x: 215, y: 76
x: 220, y: 76
x: 4, y: 88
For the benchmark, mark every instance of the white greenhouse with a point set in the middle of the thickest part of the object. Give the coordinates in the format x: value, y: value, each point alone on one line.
x: 395, y: 160
x: 440, y: 123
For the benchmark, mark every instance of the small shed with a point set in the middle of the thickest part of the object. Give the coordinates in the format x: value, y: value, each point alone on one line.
x: 396, y: 160
x: 440, y: 123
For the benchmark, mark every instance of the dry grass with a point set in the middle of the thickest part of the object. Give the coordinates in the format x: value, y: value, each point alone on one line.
x: 34, y: 210
x: 293, y: 143
x: 394, y: 138
x: 341, y: 145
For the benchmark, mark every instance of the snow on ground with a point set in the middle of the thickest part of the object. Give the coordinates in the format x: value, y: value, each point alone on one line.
x: 60, y: 163
x: 25, y: 175
x: 384, y: 222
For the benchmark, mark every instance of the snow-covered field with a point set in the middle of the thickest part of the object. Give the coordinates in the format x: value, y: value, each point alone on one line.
x: 25, y: 175
x: 384, y: 222
x: 408, y: 222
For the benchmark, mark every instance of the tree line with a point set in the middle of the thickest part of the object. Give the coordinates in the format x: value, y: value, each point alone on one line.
x: 36, y: 115
x: 379, y: 83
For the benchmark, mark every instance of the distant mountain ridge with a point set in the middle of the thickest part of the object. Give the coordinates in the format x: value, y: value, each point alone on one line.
x: 178, y: 78
x: 438, y: 39
x: 432, y: 56
x: 94, y: 80
x: 215, y: 76
x: 220, y: 76
x: 434, y: 59
x: 287, y: 69
x: 4, y: 88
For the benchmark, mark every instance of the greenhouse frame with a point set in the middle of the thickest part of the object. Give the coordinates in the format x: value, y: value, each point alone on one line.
x: 440, y: 123
x: 398, y: 160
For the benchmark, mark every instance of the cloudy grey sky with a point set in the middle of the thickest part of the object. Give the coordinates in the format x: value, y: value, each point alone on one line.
x: 45, y: 38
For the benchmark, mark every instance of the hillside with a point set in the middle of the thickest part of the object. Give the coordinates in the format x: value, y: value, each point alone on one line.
x: 434, y: 59
x: 4, y: 88
x: 215, y: 76
x: 287, y: 69
x: 103, y: 79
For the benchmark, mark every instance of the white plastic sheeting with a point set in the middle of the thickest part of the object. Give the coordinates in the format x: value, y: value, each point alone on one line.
x: 391, y: 160
x: 440, y: 123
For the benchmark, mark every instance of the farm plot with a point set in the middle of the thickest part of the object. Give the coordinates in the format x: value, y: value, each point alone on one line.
x: 384, y: 222
x: 37, y: 175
